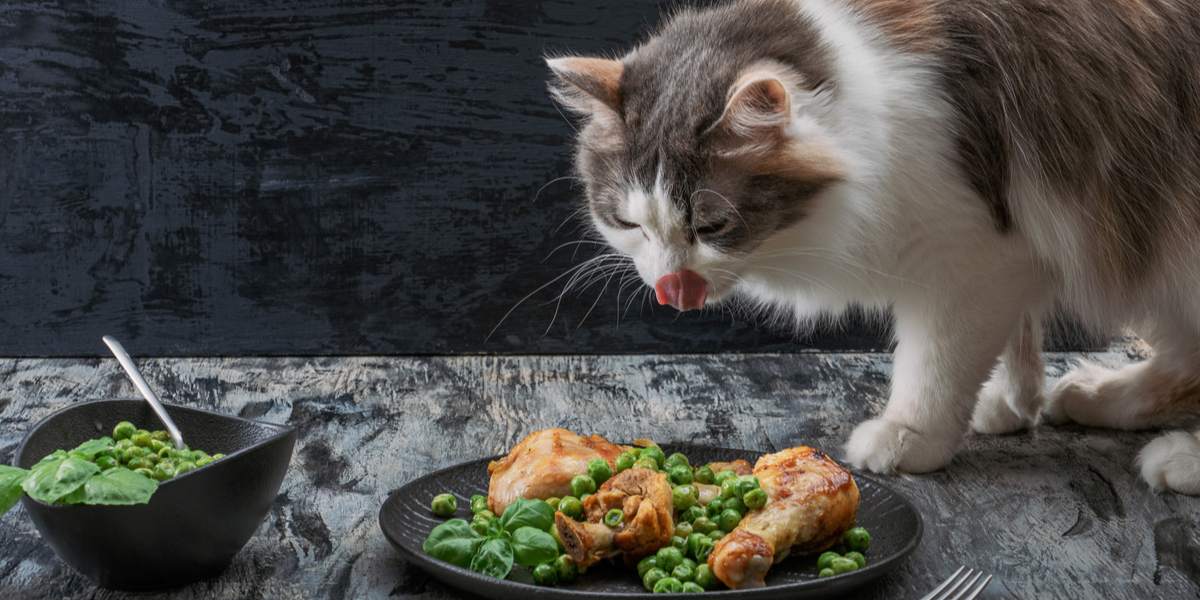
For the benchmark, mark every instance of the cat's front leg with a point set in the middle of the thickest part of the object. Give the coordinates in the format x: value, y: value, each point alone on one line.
x: 945, y: 349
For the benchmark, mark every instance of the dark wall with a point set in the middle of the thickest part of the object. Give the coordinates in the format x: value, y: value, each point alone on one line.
x: 307, y: 176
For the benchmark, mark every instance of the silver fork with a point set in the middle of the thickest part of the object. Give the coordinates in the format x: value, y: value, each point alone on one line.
x: 964, y: 584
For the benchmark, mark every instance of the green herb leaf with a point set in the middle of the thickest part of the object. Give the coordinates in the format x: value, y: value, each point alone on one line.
x: 527, y: 513
x: 10, y: 486
x: 91, y: 448
x: 454, y: 542
x: 118, y: 486
x: 54, y: 479
x: 532, y: 547
x: 494, y: 557
x: 54, y: 456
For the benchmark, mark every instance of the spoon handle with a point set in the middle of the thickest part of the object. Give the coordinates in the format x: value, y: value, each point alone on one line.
x: 138, y: 382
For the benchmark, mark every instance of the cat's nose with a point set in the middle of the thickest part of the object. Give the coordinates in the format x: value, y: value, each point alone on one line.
x: 685, y: 290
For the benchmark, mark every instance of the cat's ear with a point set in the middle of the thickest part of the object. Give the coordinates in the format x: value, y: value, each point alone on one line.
x: 587, y: 85
x: 758, y: 111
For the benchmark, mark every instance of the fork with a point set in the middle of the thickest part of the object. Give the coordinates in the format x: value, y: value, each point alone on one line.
x: 962, y: 585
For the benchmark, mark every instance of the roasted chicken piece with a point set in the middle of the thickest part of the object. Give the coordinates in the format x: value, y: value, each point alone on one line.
x: 739, y: 466
x: 542, y: 465
x: 644, y: 496
x: 811, y: 501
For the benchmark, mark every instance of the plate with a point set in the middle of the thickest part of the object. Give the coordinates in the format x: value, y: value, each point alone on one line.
x: 894, y: 523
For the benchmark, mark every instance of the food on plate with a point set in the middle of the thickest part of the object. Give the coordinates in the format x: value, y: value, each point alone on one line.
x: 123, y: 469
x: 544, y: 464
x: 629, y: 515
x: 559, y: 503
x: 811, y: 501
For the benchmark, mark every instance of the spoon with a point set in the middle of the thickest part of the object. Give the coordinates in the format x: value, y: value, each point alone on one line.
x: 138, y: 382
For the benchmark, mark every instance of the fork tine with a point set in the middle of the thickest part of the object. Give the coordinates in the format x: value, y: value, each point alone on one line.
x: 938, y: 590
x: 952, y: 591
x: 966, y: 587
x: 979, y: 590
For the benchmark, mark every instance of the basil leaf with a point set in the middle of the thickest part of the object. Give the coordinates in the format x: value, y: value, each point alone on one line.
x: 54, y: 479
x: 532, y: 547
x: 10, y: 486
x: 527, y: 513
x: 92, y: 448
x: 494, y: 558
x: 454, y: 542
x: 56, y: 455
x: 118, y: 486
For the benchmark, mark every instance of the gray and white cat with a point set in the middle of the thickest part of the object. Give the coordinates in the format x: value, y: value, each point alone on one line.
x: 969, y: 165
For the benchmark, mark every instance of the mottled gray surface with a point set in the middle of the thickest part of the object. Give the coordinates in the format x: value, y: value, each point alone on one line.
x: 1057, y: 513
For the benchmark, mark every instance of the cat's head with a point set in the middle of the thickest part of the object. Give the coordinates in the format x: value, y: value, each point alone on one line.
x: 703, y: 143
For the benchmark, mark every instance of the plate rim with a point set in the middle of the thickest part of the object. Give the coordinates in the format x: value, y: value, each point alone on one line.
x: 863, y: 576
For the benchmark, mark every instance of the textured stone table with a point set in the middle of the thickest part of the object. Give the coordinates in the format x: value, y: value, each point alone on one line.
x: 1055, y: 513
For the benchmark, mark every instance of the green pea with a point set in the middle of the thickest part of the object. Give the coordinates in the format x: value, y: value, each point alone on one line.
x: 734, y: 503
x: 704, y: 577
x: 826, y: 573
x: 486, y: 514
x: 755, y: 499
x: 106, y: 462
x: 565, y: 568
x: 700, y: 546
x: 690, y: 515
x: 676, y: 459
x: 478, y: 503
x: 163, y: 472
x: 704, y: 525
x: 646, y: 463
x: 552, y: 501
x: 652, y: 577
x: 680, y: 475
x: 144, y: 471
x: 599, y: 470
x: 655, y: 453
x: 747, y: 483
x: 121, y: 445
x: 705, y: 475
x: 646, y: 564
x: 160, y: 435
x: 729, y: 519
x: 729, y: 489
x: 668, y: 585
x: 151, y: 458
x: 716, y: 535
x: 123, y: 430
x: 689, y: 563
x: 166, y: 452
x: 625, y: 461
x: 204, y: 462
x: 571, y: 506
x: 683, y: 529
x: 582, y: 484
x: 141, y: 439
x: 614, y: 517
x: 691, y: 587
x: 545, y: 574
x: 140, y: 463
x: 857, y: 539
x: 669, y: 557
x: 184, y: 467
x: 842, y: 565
x: 218, y: 456
x: 683, y: 497
x: 825, y: 559
x: 679, y: 542
x: 444, y: 505
x: 723, y: 476
x: 479, y: 527
x: 156, y: 445
x: 132, y: 453
x: 714, y: 508
x: 858, y: 558
x: 683, y: 572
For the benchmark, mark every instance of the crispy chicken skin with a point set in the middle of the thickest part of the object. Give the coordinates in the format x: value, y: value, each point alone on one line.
x: 811, y: 501
x: 645, y: 498
x: 542, y: 465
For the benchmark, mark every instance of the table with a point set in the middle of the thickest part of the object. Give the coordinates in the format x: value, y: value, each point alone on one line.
x: 1054, y: 513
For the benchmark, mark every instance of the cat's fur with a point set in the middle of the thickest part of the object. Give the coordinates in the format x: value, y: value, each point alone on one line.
x: 967, y: 164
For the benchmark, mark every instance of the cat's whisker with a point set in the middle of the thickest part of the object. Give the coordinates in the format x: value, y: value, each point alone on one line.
x: 538, y: 193
x: 569, y: 271
x: 731, y: 205
x: 575, y: 243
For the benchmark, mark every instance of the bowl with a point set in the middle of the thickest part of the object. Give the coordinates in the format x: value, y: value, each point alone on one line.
x: 193, y: 525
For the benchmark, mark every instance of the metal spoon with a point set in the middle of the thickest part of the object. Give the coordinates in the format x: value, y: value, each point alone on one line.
x: 138, y: 382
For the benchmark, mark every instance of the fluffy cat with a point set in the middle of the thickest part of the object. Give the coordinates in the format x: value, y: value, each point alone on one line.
x: 968, y: 165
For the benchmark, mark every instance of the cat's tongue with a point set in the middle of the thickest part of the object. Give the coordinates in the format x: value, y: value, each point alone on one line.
x: 685, y: 290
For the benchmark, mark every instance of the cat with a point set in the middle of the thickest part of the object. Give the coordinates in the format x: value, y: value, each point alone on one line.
x: 970, y: 166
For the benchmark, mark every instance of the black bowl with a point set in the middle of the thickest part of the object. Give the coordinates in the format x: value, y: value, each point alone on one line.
x: 193, y: 525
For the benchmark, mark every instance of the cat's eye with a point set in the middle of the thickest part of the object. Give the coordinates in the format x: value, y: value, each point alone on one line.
x: 623, y: 224
x: 709, y: 229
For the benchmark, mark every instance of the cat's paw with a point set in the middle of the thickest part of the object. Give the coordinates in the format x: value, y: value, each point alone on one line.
x: 1172, y: 463
x: 994, y: 412
x: 885, y: 446
x: 1073, y: 392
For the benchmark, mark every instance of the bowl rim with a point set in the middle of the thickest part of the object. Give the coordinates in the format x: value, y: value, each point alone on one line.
x: 281, y: 431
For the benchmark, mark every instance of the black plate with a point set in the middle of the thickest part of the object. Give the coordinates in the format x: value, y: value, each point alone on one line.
x: 894, y: 524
